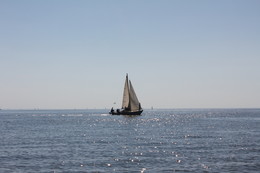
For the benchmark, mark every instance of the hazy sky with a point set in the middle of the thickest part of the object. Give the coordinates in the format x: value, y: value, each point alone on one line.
x: 178, y: 53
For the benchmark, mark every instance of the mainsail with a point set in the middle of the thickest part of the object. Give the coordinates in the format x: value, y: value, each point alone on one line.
x: 125, y: 102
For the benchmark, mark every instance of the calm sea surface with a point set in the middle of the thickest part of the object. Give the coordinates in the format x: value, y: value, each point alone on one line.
x: 181, y: 140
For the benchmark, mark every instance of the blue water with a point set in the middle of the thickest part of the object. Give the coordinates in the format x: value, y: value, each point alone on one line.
x: 181, y: 140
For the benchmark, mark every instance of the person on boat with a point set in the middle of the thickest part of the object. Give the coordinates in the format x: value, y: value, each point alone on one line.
x: 126, y: 109
x: 118, y: 111
x: 112, y: 110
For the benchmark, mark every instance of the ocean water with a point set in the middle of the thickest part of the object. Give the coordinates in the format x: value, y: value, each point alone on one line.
x: 178, y: 140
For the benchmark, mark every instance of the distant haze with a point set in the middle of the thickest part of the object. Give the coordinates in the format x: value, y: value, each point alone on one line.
x: 178, y: 54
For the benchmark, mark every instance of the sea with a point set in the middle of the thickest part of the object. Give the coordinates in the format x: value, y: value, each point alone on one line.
x: 163, y: 140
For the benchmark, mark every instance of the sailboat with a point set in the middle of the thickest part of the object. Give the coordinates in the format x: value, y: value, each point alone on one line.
x: 130, y: 103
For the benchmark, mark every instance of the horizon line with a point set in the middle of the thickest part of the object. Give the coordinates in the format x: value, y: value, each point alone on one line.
x: 39, y: 109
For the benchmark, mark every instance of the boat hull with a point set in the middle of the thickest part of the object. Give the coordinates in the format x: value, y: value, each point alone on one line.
x: 126, y: 112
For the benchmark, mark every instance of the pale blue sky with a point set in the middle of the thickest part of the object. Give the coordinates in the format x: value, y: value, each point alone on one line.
x: 178, y: 54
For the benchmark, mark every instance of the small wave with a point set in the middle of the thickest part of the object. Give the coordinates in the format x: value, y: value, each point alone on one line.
x: 72, y: 115
x: 44, y: 115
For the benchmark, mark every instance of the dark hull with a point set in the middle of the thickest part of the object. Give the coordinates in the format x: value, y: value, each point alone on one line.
x: 126, y: 113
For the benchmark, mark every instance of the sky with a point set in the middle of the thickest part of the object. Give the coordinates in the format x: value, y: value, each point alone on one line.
x: 178, y: 53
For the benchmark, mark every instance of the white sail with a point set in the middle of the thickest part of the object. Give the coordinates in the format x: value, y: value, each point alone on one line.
x: 134, y: 103
x: 125, y: 102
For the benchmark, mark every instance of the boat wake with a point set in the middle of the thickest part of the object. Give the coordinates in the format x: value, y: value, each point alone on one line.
x: 104, y: 114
